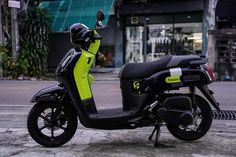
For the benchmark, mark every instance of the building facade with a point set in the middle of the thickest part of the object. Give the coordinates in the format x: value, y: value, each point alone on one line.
x: 145, y: 30
x: 153, y: 28
x: 222, y: 38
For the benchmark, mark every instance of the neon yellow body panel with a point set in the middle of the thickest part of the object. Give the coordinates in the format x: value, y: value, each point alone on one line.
x: 81, y: 71
x: 90, y: 79
x: 173, y: 79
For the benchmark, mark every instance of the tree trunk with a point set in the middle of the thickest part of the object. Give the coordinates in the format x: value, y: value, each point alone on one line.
x: 1, y: 28
x: 14, y: 34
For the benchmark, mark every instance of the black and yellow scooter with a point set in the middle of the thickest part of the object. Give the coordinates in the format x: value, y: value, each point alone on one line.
x: 52, y: 121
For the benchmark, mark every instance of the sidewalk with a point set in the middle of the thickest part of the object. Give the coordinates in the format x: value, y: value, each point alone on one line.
x: 220, y: 141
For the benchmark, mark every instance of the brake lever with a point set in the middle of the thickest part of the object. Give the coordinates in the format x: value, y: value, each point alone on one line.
x: 97, y: 37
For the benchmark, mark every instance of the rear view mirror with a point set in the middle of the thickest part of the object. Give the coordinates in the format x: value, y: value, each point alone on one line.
x: 99, y: 18
x: 100, y: 15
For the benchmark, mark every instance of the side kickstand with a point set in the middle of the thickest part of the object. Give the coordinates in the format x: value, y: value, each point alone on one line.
x: 157, y: 130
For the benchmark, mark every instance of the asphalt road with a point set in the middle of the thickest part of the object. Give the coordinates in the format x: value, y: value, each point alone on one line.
x: 15, y: 141
x: 15, y: 98
x: 106, y: 93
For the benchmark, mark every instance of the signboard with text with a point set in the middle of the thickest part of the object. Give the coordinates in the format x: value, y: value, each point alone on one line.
x: 13, y: 4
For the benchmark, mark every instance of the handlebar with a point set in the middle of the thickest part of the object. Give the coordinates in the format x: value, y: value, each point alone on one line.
x: 91, y: 36
x: 97, y: 37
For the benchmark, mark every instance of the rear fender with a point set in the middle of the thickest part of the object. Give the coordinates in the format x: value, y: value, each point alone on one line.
x: 209, y: 95
x: 49, y: 94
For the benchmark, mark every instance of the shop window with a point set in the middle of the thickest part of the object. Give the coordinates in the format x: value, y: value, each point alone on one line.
x: 175, y: 34
x: 187, y: 38
x: 159, y: 40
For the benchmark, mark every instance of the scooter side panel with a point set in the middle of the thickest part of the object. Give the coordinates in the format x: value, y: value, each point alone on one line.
x: 82, y: 67
x: 81, y: 71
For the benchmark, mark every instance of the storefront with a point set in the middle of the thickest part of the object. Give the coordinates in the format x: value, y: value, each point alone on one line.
x: 176, y: 34
x: 137, y: 31
x: 160, y: 28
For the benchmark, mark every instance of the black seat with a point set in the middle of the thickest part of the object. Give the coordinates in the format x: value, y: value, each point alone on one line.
x: 142, y: 70
x: 182, y: 60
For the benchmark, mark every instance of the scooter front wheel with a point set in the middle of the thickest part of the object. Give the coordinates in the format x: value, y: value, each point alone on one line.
x: 51, y: 127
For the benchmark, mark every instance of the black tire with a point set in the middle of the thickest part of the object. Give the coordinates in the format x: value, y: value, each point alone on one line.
x: 203, y: 126
x: 66, y: 122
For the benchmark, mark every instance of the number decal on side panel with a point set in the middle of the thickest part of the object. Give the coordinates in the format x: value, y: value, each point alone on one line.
x: 136, y: 85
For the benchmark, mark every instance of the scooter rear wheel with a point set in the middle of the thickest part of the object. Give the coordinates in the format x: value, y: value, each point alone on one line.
x: 50, y: 130
x: 200, y: 126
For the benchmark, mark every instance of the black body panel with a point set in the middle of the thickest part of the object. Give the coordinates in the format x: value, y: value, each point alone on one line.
x: 176, y: 110
x: 131, y: 99
x: 157, y: 84
x: 177, y: 102
x: 89, y: 105
x: 64, y: 75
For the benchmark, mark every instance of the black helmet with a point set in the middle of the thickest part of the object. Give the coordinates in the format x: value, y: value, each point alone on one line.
x: 78, y: 35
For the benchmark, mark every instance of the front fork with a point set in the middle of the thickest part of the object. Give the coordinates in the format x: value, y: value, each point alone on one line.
x: 60, y: 103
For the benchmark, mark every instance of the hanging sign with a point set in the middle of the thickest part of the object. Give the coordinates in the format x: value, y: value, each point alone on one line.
x: 13, y: 4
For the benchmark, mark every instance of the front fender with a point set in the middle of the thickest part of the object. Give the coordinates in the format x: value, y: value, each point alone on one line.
x: 49, y: 94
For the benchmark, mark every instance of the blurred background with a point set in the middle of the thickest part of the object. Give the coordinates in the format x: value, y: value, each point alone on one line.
x: 34, y: 35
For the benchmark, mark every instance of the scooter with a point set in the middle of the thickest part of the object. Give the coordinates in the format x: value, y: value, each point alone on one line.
x: 147, y: 100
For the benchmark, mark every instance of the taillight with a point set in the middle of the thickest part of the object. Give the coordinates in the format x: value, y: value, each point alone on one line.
x: 209, y: 72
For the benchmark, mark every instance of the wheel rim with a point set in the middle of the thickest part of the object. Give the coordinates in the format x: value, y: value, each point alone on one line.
x: 50, y: 127
x: 196, y: 124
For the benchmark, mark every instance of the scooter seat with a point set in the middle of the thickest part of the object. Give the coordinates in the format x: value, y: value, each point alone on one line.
x: 142, y: 70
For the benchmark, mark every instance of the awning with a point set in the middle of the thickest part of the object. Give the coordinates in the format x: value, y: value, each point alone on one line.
x: 226, y: 8
x: 64, y: 13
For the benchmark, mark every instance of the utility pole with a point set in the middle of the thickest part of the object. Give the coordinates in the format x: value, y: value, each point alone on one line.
x: 14, y: 28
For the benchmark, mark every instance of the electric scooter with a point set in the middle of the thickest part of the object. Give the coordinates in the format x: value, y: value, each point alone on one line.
x: 147, y: 100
